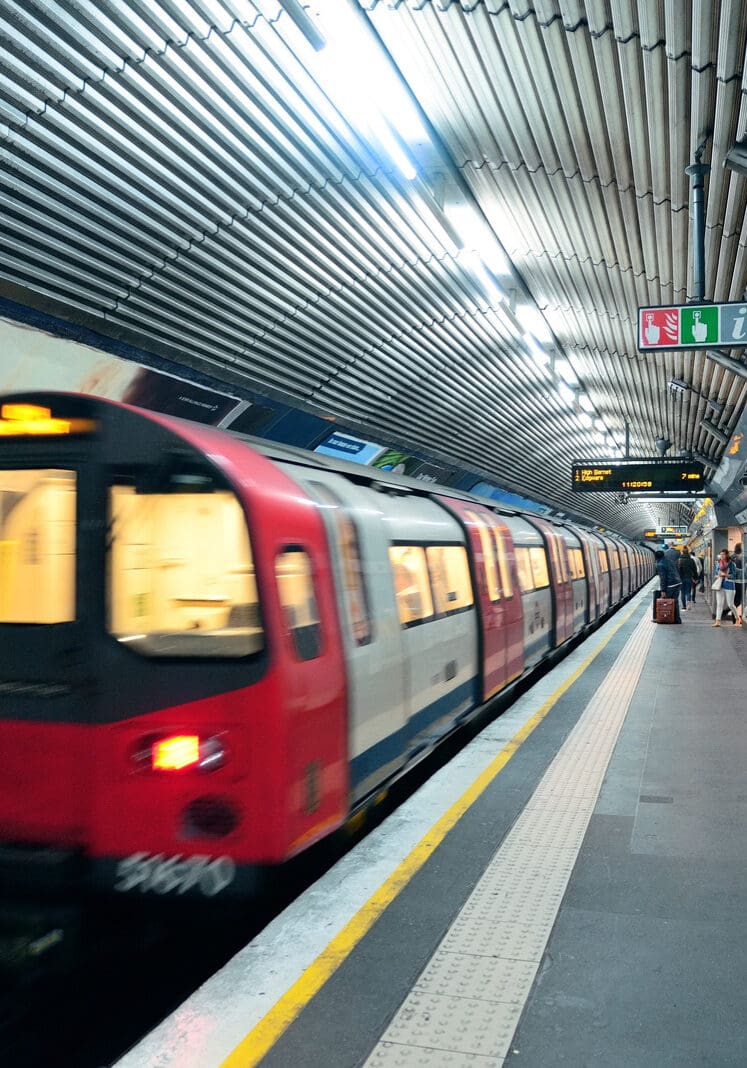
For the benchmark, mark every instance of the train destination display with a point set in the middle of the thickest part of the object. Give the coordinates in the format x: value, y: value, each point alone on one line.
x: 640, y: 476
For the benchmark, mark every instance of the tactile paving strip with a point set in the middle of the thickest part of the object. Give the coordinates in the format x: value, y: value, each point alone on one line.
x: 465, y: 1007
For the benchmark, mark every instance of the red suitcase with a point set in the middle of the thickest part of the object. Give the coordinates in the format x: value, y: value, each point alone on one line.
x: 665, y: 610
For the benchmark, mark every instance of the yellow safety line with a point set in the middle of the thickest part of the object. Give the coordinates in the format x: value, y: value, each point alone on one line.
x: 263, y: 1037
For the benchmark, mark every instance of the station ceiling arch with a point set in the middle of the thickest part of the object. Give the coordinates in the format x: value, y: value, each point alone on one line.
x: 431, y: 221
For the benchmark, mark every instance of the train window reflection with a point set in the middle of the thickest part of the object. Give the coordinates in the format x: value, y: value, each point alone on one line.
x: 524, y: 568
x: 181, y: 574
x: 411, y: 584
x: 37, y: 546
x: 488, y: 554
x: 500, y: 534
x: 450, y: 578
x: 297, y: 600
x: 354, y: 587
x: 538, y: 560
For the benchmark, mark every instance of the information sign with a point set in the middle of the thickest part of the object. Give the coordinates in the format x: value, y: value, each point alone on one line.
x: 693, y: 326
x: 637, y: 476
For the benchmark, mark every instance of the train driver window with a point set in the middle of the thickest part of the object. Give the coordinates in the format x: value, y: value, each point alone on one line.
x: 298, y: 603
x: 181, y: 573
x: 37, y: 546
x: 538, y: 560
x: 450, y: 577
x: 411, y: 585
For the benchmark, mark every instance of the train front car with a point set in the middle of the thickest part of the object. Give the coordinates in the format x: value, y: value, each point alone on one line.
x: 172, y: 690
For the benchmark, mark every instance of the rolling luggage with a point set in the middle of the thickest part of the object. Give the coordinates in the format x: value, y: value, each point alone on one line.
x: 665, y: 610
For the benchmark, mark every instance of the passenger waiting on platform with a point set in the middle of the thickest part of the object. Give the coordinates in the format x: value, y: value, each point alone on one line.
x: 701, y: 584
x: 739, y: 581
x: 669, y: 581
x: 698, y: 580
x: 688, y: 570
x: 724, y: 574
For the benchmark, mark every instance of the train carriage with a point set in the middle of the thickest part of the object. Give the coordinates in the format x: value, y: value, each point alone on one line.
x: 215, y: 649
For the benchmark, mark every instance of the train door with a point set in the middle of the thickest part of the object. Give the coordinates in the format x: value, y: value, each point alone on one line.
x: 591, y: 570
x: 599, y: 549
x: 559, y: 578
x: 438, y: 627
x: 50, y: 547
x: 579, y: 587
x: 613, y: 556
x: 499, y: 603
x: 374, y: 661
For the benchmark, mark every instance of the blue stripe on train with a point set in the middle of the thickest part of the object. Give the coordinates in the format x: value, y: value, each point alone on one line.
x: 389, y: 753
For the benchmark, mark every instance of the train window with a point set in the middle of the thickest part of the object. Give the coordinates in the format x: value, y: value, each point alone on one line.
x: 524, y: 567
x: 449, y: 571
x: 615, y: 559
x: 354, y: 587
x: 488, y: 554
x: 538, y: 560
x: 500, y: 548
x: 37, y: 546
x: 181, y: 574
x: 603, y: 564
x: 577, y: 563
x: 411, y: 585
x: 296, y: 593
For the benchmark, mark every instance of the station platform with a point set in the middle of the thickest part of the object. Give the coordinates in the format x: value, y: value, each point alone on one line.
x: 570, y: 889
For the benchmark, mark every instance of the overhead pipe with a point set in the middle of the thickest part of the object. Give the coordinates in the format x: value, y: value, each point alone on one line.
x: 697, y: 172
x: 734, y: 366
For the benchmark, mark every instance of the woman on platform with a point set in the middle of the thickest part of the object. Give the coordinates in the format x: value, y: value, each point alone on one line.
x: 724, y: 575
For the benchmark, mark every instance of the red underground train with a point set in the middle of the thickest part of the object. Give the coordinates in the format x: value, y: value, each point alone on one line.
x: 215, y: 650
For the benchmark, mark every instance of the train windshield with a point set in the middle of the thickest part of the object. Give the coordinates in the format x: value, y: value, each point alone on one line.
x: 37, y: 545
x: 181, y: 578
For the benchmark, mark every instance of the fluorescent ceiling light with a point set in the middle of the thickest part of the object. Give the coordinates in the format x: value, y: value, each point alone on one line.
x: 566, y: 372
x: 585, y: 419
x: 585, y: 402
x: 566, y: 393
x: 532, y: 319
x: 669, y: 500
x: 539, y: 354
x: 493, y: 292
x: 477, y: 237
x: 360, y: 81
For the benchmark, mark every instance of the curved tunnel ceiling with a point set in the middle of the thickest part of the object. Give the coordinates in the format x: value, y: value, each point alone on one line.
x: 443, y: 243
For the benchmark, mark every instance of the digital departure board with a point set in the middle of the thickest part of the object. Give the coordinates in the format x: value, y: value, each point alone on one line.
x: 637, y: 476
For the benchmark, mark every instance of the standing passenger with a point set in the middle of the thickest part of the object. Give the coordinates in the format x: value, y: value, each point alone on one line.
x: 669, y: 582
x: 739, y: 581
x: 724, y: 574
x: 688, y: 573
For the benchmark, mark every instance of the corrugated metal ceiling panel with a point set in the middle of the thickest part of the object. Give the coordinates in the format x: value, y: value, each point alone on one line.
x: 177, y: 170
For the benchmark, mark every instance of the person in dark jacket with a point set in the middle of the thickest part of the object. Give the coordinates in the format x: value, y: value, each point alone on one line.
x: 669, y: 582
x: 688, y: 570
x: 736, y: 557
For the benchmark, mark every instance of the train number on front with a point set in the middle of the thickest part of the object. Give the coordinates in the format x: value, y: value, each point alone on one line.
x: 156, y: 873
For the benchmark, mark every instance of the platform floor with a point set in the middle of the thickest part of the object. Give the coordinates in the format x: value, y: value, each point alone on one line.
x: 572, y: 889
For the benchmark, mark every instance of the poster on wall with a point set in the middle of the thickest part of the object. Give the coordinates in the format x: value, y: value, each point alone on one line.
x: 33, y: 360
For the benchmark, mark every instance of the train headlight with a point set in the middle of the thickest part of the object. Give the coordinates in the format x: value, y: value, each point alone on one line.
x: 175, y: 753
x: 181, y: 752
